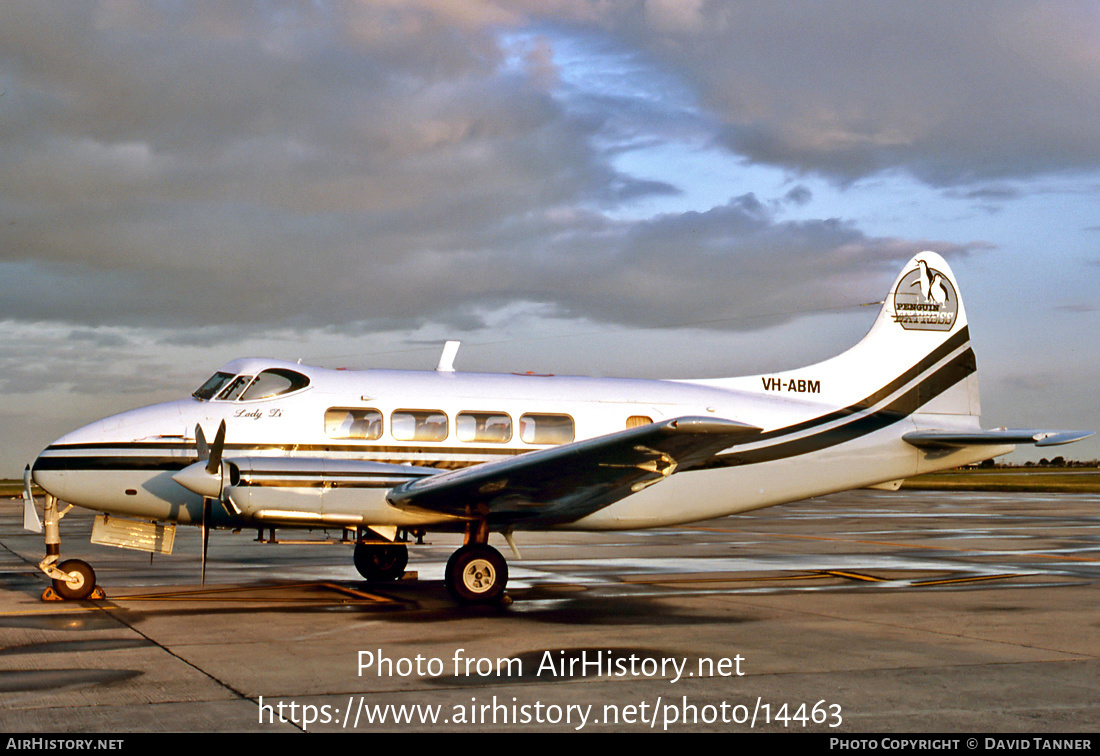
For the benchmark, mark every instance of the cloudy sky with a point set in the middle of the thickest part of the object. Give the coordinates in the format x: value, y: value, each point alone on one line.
x: 656, y: 188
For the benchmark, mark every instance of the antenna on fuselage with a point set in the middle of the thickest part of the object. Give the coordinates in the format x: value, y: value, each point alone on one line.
x: 447, y: 358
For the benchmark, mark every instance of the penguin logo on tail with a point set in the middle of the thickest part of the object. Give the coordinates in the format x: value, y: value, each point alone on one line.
x: 925, y: 300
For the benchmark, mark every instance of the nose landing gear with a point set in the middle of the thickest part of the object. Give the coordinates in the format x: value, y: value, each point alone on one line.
x: 73, y: 579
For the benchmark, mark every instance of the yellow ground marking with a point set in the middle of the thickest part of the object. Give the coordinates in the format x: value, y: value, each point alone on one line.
x: 722, y: 579
x: 207, y: 594
x: 974, y: 579
x: 856, y: 576
x: 823, y: 575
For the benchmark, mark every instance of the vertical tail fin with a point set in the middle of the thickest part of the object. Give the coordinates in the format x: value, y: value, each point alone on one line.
x: 917, y: 353
x: 920, y: 339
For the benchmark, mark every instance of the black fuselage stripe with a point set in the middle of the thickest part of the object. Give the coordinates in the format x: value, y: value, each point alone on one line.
x: 900, y: 408
x: 121, y: 463
x: 385, y: 483
x: 125, y: 462
x: 325, y: 448
x: 938, y: 354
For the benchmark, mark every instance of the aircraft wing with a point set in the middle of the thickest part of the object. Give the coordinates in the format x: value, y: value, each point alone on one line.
x: 938, y: 439
x: 567, y: 482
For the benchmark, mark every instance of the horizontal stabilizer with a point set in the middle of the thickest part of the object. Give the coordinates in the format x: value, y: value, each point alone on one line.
x: 937, y: 439
x: 567, y: 482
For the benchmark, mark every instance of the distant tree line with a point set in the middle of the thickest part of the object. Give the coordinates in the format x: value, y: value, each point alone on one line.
x: 1058, y: 461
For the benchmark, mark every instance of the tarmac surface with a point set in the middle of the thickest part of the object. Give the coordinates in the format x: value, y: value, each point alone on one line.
x: 866, y: 611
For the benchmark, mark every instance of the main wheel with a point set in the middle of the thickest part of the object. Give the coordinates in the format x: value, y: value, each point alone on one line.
x: 381, y: 563
x: 476, y: 574
x: 82, y: 585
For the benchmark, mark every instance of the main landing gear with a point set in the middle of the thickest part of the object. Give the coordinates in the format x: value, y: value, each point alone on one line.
x: 476, y: 573
x: 381, y: 563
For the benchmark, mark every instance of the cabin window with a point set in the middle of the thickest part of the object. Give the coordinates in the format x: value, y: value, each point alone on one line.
x: 546, y: 429
x: 637, y: 421
x: 483, y: 427
x: 418, y: 425
x: 353, y: 423
x: 234, y: 389
x: 274, y: 382
x: 212, y: 386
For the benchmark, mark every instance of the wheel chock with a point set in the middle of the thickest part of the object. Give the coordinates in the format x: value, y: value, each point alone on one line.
x: 51, y: 595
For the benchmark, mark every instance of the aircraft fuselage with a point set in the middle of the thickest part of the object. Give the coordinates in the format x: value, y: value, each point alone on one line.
x: 409, y: 420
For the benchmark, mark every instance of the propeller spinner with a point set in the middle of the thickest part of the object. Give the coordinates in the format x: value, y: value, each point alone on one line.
x: 206, y: 477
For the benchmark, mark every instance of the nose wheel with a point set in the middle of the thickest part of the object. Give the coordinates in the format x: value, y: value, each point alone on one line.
x: 79, y: 583
x: 476, y: 574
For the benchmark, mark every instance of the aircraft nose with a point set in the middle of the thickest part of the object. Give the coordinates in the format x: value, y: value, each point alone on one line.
x: 134, y: 425
x: 121, y: 464
x: 61, y: 467
x: 50, y: 471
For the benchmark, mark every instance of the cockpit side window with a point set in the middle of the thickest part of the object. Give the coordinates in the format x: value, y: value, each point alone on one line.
x: 212, y: 386
x: 234, y: 389
x: 274, y: 382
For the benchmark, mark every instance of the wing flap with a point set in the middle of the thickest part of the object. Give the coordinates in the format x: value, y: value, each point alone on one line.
x: 940, y: 439
x: 567, y: 482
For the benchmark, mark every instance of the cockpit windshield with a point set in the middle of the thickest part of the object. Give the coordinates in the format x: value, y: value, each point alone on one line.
x: 274, y: 382
x: 212, y: 386
x: 234, y: 389
x: 227, y: 387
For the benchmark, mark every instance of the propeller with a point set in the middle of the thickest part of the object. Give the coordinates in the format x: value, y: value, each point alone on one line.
x: 214, y: 464
x: 207, y: 502
x: 205, y: 477
x: 201, y: 445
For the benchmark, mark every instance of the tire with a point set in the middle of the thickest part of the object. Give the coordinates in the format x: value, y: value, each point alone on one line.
x: 381, y: 563
x: 476, y: 574
x: 86, y: 580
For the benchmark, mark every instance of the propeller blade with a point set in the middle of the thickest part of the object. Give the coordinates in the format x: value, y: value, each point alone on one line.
x: 206, y: 503
x: 200, y: 444
x: 215, y: 462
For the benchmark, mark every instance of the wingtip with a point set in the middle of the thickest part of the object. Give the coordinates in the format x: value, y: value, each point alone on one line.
x: 1057, y: 438
x: 1007, y: 436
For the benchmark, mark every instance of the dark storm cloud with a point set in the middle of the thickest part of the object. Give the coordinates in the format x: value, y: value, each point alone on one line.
x: 200, y: 164
x: 697, y: 267
x: 799, y: 195
x: 211, y: 165
x: 993, y: 193
x: 947, y: 91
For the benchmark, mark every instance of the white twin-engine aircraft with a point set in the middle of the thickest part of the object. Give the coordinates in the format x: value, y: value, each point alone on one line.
x: 387, y: 456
